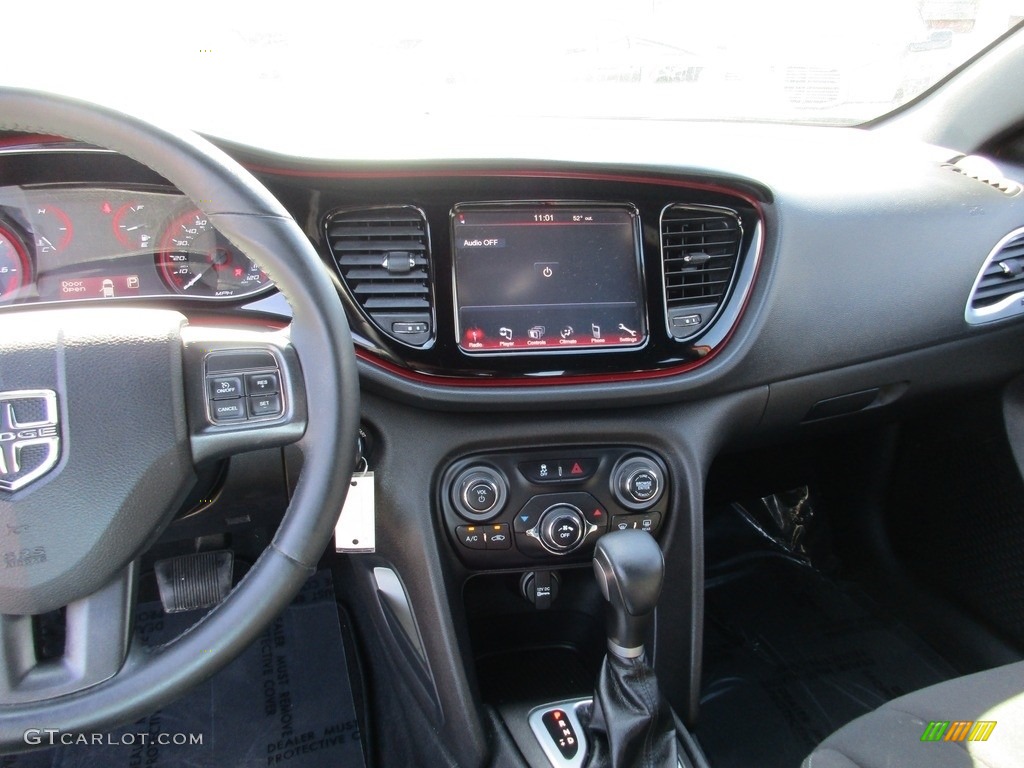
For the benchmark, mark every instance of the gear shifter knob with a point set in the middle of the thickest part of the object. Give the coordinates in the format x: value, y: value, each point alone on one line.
x: 630, y: 569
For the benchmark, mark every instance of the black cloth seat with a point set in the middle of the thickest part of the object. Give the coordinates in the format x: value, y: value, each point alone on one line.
x: 892, y: 735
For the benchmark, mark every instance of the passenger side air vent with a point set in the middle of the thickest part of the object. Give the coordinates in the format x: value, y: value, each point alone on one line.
x: 984, y: 170
x: 999, y: 290
x: 700, y: 248
x: 383, y: 256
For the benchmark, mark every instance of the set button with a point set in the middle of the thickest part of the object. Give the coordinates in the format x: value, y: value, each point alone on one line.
x: 264, y: 405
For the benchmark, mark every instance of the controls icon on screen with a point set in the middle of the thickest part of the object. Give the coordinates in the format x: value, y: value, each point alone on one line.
x: 537, y: 332
x: 505, y: 333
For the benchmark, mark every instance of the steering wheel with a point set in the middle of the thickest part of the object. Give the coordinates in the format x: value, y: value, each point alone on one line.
x: 104, y: 415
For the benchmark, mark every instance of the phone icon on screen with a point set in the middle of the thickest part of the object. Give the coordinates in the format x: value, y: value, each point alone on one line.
x: 595, y: 330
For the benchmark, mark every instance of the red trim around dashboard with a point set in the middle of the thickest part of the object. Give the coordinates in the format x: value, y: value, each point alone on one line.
x: 571, y: 380
x: 474, y: 173
x: 444, y: 381
x: 29, y: 141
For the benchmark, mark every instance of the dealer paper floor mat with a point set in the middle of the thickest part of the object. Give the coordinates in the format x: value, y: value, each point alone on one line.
x: 286, y: 701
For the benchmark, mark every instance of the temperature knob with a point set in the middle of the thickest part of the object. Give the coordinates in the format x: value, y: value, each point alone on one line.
x: 562, y: 529
x: 638, y: 483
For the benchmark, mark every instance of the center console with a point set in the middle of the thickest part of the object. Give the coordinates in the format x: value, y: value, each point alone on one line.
x: 546, y: 508
x: 528, y: 523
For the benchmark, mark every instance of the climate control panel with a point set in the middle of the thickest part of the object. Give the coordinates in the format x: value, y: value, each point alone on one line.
x: 513, y: 509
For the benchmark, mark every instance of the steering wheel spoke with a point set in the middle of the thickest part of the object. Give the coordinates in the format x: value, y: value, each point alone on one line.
x: 97, y: 636
x: 115, y: 410
x: 244, y: 391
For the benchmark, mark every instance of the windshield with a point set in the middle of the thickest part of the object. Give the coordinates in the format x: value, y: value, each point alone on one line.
x: 223, y: 67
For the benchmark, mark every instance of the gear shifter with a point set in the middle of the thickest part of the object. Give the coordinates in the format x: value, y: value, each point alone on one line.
x: 629, y: 568
x: 630, y: 725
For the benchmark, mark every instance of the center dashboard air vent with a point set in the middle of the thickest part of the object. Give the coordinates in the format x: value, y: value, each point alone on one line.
x: 998, y: 291
x: 700, y: 248
x: 383, y: 256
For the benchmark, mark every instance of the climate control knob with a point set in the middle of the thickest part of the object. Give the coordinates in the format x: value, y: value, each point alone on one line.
x: 638, y: 483
x: 562, y: 529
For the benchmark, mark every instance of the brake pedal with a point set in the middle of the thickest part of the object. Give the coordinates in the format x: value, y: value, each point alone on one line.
x: 191, y: 582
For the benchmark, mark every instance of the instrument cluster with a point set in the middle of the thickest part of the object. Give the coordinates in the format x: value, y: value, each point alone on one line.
x: 74, y: 242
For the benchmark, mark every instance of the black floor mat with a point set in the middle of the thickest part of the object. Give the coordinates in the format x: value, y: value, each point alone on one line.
x: 286, y: 701
x: 790, y: 656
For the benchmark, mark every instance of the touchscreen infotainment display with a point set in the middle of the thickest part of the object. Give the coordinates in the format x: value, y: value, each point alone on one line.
x: 547, y: 277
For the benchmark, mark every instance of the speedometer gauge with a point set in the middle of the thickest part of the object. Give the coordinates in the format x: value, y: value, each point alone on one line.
x: 14, y: 264
x: 196, y: 260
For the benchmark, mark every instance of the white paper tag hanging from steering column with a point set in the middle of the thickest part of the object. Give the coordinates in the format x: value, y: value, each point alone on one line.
x: 355, y: 530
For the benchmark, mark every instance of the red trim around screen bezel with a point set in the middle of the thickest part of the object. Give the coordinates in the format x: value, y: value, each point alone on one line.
x: 387, y: 366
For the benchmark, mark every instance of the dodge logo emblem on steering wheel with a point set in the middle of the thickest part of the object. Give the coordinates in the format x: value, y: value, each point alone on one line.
x: 29, y: 436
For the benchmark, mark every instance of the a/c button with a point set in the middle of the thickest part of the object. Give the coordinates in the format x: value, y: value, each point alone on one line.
x: 471, y: 536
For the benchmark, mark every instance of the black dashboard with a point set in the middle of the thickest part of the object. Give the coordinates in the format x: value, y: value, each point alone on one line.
x: 765, y: 282
x: 733, y: 272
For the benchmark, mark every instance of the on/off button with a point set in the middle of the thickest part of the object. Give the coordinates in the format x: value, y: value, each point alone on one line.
x: 225, y: 387
x: 480, y: 495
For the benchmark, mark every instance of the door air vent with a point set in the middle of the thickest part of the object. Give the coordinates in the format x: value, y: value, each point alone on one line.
x: 998, y: 292
x: 700, y: 248
x: 383, y: 256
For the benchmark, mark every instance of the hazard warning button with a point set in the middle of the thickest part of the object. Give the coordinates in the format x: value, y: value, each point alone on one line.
x: 558, y: 470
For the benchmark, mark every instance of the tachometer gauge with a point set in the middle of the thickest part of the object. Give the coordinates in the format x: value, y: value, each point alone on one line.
x: 196, y: 260
x: 52, y: 229
x: 15, y: 268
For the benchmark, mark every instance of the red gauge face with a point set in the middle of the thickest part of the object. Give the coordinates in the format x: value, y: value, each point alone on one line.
x: 196, y: 260
x: 15, y: 268
x: 132, y: 226
x: 52, y: 228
